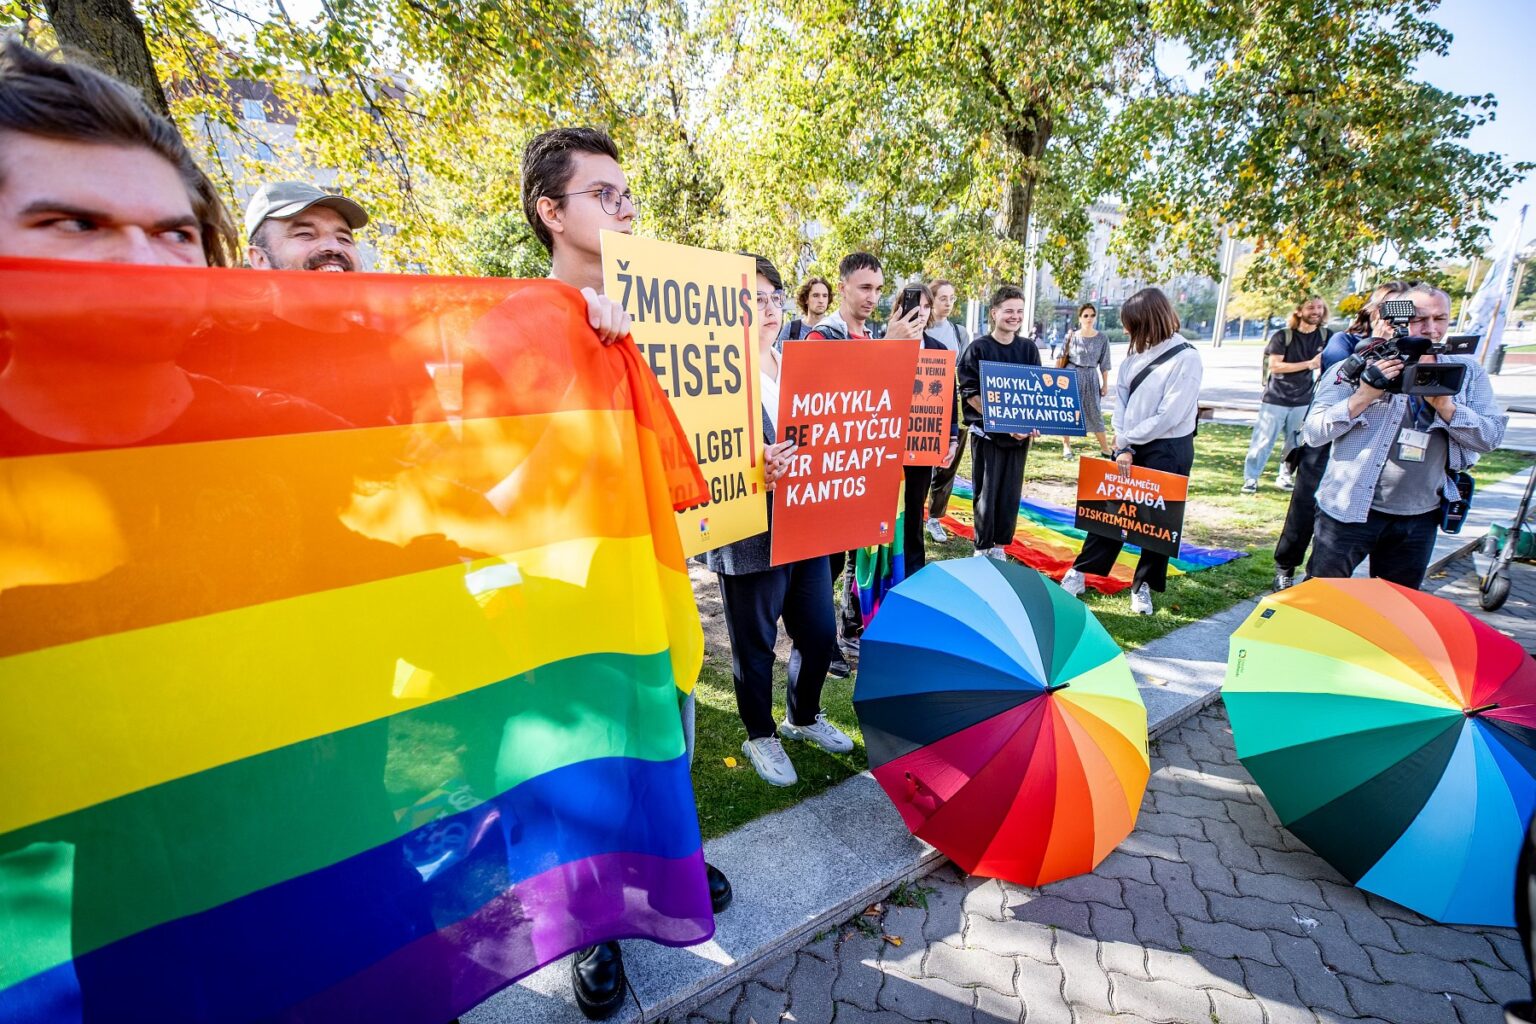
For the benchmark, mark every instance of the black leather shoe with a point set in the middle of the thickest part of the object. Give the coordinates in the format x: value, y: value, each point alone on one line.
x: 839, y: 669
x: 597, y: 978
x: 719, y: 888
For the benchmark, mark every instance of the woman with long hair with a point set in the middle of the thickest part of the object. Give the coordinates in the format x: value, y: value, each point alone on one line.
x: 1086, y: 350
x: 1157, y: 397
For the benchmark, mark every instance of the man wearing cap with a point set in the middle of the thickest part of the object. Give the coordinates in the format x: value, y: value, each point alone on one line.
x: 292, y: 225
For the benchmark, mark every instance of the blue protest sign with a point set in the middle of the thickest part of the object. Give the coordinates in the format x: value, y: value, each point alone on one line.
x: 1017, y: 399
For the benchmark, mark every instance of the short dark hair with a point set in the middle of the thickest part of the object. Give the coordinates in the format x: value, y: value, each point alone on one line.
x: 1149, y: 319
x: 1006, y: 292
x: 767, y: 269
x: 70, y: 102
x: 855, y: 262
x: 547, y: 169
x: 803, y: 296
x: 1087, y: 306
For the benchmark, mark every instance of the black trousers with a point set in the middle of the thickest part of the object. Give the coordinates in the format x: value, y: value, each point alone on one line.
x: 1399, y: 547
x: 1301, y: 514
x: 998, y: 477
x: 850, y: 622
x: 944, y: 481
x: 1171, y: 455
x: 917, y: 480
x: 801, y: 594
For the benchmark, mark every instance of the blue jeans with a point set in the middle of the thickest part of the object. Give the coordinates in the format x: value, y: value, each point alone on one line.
x: 1274, y: 421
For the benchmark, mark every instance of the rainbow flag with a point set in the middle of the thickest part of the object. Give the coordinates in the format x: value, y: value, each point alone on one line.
x: 1046, y: 540
x: 338, y: 681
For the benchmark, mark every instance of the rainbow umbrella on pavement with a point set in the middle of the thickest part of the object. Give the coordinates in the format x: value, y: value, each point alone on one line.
x: 1395, y: 735
x: 1002, y: 721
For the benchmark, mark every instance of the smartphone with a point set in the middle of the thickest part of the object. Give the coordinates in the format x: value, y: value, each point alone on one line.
x: 911, y: 298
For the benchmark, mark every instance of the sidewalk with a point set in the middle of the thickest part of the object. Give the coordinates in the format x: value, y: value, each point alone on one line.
x: 802, y: 871
x: 1205, y: 908
x: 1209, y: 912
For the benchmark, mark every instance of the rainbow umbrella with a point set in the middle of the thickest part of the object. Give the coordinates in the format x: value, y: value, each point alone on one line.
x: 1002, y: 721
x: 1395, y: 735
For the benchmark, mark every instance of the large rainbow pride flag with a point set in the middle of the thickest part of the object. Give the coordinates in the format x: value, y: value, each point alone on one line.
x: 1046, y: 539
x: 339, y: 681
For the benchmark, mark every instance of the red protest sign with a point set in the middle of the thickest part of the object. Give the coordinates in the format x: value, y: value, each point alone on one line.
x: 1145, y: 509
x: 933, y: 406
x: 845, y: 404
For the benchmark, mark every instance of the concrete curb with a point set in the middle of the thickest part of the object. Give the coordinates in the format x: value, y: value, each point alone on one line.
x: 862, y: 851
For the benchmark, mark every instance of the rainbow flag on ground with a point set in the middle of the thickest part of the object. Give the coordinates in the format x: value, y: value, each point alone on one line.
x: 1046, y: 540
x: 314, y: 718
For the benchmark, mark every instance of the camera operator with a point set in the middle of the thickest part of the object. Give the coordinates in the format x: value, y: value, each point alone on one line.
x: 1394, y: 455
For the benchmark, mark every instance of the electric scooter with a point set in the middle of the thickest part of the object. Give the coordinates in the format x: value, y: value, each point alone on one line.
x: 1518, y: 542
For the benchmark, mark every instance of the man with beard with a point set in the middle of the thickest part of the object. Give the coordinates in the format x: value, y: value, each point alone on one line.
x: 295, y: 226
x: 292, y: 225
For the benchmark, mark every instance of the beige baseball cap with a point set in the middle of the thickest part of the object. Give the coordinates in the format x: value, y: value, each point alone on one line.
x: 285, y: 199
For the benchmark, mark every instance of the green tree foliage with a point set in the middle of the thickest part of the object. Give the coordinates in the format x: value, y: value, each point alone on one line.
x: 1309, y: 137
x: 944, y: 135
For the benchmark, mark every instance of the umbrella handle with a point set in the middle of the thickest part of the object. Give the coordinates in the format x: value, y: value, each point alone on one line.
x: 1474, y: 712
x: 1057, y: 686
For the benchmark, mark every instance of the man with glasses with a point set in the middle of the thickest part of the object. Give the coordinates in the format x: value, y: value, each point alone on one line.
x: 573, y: 190
x: 1394, y: 456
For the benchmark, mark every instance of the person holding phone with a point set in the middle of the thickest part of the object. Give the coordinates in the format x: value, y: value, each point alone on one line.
x: 860, y: 282
x: 917, y: 479
x: 1158, y: 400
x: 756, y: 594
x: 997, y: 460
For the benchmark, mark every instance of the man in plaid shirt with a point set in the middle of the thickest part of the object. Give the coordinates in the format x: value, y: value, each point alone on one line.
x: 1394, y: 456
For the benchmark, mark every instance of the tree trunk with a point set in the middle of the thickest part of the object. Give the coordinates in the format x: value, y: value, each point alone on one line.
x: 108, y: 35
x: 1027, y: 142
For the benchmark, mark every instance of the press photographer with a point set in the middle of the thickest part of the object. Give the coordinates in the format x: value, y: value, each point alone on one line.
x: 1404, y: 416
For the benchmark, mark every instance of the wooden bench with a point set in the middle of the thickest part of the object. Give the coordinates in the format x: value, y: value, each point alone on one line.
x: 1208, y: 409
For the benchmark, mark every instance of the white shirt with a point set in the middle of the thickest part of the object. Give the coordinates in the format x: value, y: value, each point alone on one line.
x: 771, y: 388
x: 1166, y: 404
x: 952, y: 339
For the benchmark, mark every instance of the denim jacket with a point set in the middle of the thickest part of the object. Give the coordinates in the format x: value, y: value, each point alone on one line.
x: 1362, y: 444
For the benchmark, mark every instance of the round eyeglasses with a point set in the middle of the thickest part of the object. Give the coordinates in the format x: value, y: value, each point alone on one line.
x: 611, y: 199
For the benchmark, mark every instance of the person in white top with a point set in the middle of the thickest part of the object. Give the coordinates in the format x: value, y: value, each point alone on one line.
x: 1157, y: 395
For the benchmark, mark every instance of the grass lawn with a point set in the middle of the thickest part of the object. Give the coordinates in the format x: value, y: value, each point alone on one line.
x: 730, y: 795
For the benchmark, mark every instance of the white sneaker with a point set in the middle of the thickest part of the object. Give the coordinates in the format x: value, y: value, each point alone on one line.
x: 1285, y: 479
x: 772, y: 764
x: 936, y: 531
x: 820, y: 732
x: 1073, y: 582
x: 981, y: 553
x: 1141, y: 600
x: 997, y: 554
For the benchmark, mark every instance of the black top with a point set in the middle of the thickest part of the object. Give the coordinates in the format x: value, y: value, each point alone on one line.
x: 1292, y: 389
x: 1022, y: 351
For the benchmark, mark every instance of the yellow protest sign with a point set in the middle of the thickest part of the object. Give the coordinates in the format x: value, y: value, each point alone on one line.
x: 695, y: 316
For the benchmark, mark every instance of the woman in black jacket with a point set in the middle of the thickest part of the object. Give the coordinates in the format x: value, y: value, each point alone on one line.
x: 756, y: 594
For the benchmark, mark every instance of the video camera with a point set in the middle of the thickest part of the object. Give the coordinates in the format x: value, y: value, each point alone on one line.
x: 1428, y: 379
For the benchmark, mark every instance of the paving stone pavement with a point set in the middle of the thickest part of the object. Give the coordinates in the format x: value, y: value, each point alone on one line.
x: 1210, y: 913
